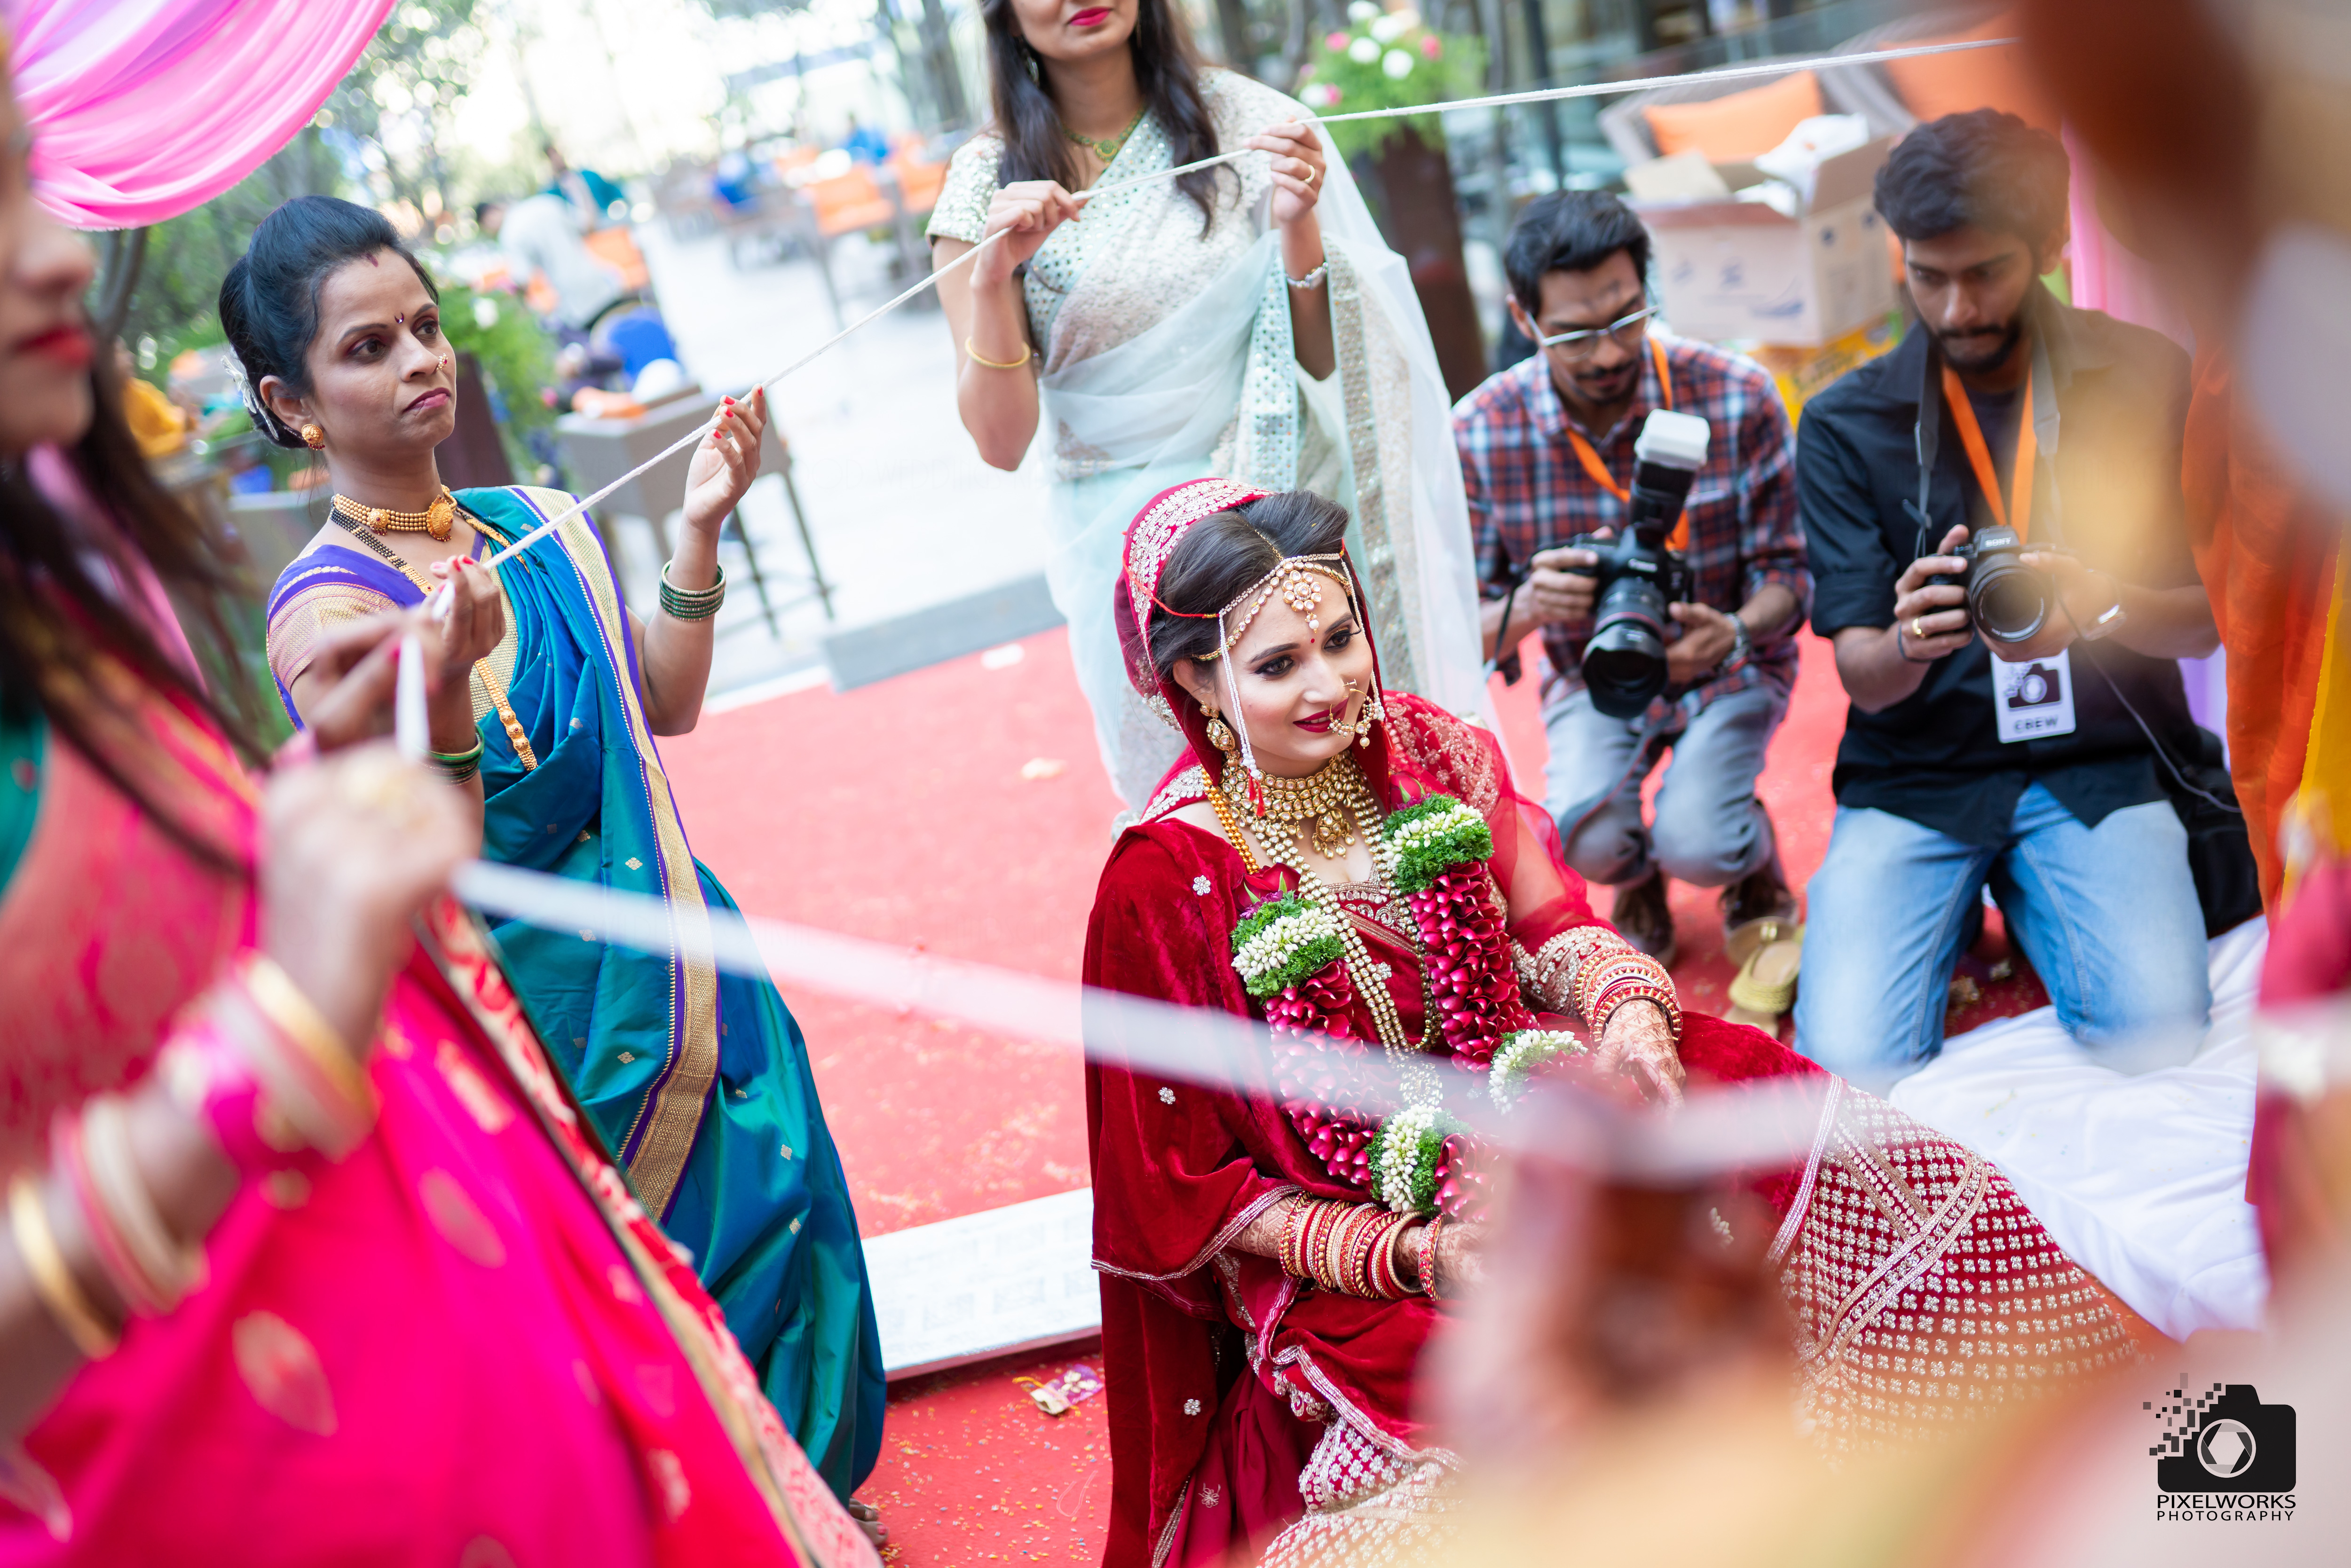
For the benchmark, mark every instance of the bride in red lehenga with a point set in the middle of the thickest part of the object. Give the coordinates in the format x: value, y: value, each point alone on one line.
x: 1354, y: 866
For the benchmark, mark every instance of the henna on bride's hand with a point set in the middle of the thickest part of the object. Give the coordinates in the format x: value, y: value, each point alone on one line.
x: 1638, y: 1044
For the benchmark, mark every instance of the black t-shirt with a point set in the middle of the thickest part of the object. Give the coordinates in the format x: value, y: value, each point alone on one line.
x: 1936, y: 758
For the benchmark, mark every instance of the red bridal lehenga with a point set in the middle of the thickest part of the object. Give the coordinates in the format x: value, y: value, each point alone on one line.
x: 1252, y: 1408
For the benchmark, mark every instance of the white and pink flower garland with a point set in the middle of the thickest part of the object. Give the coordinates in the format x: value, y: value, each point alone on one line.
x: 1297, y: 955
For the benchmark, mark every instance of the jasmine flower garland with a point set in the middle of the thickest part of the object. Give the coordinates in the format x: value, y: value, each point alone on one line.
x: 1404, y: 1154
x: 1283, y: 943
x: 1520, y: 1054
x: 1430, y: 836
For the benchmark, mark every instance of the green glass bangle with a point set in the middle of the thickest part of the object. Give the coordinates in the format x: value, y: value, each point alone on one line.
x: 693, y: 603
x: 457, y: 767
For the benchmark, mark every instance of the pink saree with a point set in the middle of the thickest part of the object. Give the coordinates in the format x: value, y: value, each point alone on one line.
x: 463, y: 1345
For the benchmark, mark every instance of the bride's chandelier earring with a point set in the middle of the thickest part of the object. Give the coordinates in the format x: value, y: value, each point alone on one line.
x: 1221, y: 734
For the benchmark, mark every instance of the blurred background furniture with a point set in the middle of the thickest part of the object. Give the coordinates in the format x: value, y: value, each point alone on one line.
x: 598, y: 451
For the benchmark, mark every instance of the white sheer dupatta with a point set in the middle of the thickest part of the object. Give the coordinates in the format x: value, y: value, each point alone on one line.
x: 1213, y: 388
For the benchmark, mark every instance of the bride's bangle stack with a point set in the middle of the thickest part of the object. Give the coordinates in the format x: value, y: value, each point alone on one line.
x: 1610, y: 980
x: 1351, y: 1248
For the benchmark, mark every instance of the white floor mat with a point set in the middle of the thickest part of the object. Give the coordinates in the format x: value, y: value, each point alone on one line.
x: 2142, y: 1180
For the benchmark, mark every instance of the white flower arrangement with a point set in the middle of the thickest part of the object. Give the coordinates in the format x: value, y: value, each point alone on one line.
x: 1277, y: 945
x: 1520, y: 1054
x: 1446, y: 835
x: 1404, y: 1158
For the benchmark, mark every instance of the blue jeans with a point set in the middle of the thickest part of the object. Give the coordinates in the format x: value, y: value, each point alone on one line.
x: 2108, y: 914
x: 1710, y: 831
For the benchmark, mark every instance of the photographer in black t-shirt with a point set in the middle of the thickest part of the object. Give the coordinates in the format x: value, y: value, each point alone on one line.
x: 2026, y: 769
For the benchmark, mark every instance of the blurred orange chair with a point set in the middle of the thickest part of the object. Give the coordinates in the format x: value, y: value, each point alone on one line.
x: 616, y: 247
x: 848, y: 203
x: 919, y: 183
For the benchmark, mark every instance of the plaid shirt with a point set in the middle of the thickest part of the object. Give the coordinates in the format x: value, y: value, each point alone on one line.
x: 1527, y: 493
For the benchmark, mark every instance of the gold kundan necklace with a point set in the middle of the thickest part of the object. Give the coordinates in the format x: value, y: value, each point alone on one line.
x: 1330, y: 802
x: 436, y: 519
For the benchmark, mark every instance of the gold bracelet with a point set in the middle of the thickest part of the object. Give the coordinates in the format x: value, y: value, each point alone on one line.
x: 298, y: 1018
x: 1026, y: 353
x: 53, y: 1281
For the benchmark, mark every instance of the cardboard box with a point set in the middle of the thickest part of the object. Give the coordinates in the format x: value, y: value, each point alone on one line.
x: 1800, y: 369
x: 1728, y: 268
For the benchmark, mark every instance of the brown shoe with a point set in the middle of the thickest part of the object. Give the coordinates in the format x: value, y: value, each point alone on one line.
x: 1761, y: 894
x: 1643, y: 918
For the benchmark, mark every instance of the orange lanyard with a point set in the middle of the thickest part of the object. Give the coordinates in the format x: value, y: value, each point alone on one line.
x: 1599, y: 470
x: 2027, y: 453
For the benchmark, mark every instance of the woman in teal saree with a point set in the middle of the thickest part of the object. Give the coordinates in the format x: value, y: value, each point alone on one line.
x: 698, y: 1082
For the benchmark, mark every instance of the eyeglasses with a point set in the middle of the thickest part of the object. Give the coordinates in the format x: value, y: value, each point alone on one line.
x: 1582, y: 344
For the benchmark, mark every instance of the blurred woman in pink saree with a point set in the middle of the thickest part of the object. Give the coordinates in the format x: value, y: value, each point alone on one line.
x: 309, y: 1258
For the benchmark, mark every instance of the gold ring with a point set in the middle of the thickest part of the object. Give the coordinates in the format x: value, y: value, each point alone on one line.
x: 1918, y: 627
x: 1313, y: 174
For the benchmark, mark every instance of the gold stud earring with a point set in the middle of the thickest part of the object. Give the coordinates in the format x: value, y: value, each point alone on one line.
x: 313, y: 437
x: 1221, y: 734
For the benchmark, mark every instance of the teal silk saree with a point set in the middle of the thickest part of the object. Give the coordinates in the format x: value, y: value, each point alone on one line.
x: 698, y: 1082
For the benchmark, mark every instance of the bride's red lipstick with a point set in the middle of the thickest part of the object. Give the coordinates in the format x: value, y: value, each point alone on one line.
x: 1321, y: 721
x: 1092, y: 17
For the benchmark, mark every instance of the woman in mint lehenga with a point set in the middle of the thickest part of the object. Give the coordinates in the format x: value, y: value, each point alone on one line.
x: 698, y: 1082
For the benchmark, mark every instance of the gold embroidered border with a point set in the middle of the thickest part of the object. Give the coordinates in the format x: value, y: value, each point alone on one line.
x: 291, y: 639
x: 455, y: 943
x: 1378, y: 566
x: 1549, y: 973
x: 671, y: 1113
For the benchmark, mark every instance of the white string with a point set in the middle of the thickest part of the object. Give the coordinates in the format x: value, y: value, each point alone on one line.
x: 1537, y: 94
x: 1765, y: 1127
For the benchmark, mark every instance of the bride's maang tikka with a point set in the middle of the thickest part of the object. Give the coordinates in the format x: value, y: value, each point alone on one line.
x: 1293, y: 579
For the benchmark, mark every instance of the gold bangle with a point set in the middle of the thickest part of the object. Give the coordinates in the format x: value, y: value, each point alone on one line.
x: 1026, y: 353
x: 298, y: 1018
x: 53, y: 1281
x: 172, y: 1269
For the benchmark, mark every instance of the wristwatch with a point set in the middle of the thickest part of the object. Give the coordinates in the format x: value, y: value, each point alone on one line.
x: 1742, y: 645
x: 2111, y: 618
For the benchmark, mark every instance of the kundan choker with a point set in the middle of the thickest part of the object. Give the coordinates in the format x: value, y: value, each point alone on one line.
x: 1330, y: 802
x: 436, y: 519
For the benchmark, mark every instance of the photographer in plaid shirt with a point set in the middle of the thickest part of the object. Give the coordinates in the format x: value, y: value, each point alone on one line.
x: 1547, y: 452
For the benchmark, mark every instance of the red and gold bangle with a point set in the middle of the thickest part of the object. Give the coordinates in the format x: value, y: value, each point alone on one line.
x: 1355, y: 1256
x: 1388, y: 1263
x: 1631, y: 990
x: 1436, y: 1223
x: 1610, y: 982
x: 1328, y: 1259
x: 1314, y: 1234
x: 1363, y: 1262
x: 1293, y: 1216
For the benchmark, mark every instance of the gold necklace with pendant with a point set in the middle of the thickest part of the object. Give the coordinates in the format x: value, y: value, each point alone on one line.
x: 1325, y: 803
x: 1107, y: 148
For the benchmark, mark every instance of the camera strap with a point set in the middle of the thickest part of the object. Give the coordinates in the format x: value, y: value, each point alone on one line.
x: 2016, y: 512
x: 1590, y: 458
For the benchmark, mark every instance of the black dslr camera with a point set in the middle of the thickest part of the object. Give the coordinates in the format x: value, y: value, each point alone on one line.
x: 2007, y: 600
x: 1624, y: 661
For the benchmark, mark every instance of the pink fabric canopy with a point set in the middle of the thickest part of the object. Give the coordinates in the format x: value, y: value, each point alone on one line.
x: 143, y: 108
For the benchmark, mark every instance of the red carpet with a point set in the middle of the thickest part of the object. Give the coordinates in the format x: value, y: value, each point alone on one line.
x: 963, y: 809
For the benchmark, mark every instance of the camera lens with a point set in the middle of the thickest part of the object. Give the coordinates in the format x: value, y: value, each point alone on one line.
x: 1624, y: 663
x: 2010, y: 601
